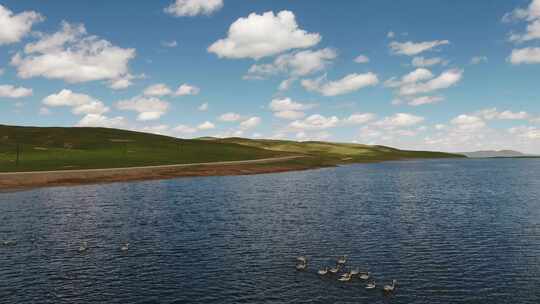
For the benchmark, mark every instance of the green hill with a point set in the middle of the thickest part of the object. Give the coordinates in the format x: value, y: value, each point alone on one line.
x: 88, y: 148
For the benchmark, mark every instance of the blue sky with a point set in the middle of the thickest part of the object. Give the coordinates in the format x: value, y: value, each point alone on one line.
x: 430, y: 74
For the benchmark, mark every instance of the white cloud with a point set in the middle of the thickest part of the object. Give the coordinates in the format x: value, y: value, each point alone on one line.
x: 250, y: 123
x: 531, y: 14
x: 528, y: 55
x: 444, y: 80
x: 44, y: 111
x: 423, y: 100
x: 73, y: 56
x: 206, y: 126
x: 258, y: 36
x: 361, y: 59
x: 286, y: 108
x: 98, y: 120
x: 187, y: 89
x: 525, y: 132
x: 79, y: 103
x: 203, y: 107
x: 410, y: 48
x: 390, y: 35
x: 230, y: 117
x: 490, y: 114
x: 169, y: 44
x: 159, y: 89
x: 412, y: 77
x: 149, y: 108
x: 191, y: 8
x: 183, y: 129
x: 348, y: 84
x: 10, y: 91
x: 399, y: 120
x: 297, y: 64
x: 359, y: 118
x: 479, y: 59
x: 468, y: 122
x: 421, y: 62
x: 13, y: 27
x: 314, y: 122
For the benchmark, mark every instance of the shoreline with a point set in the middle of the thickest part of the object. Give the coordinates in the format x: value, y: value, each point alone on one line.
x: 20, y: 181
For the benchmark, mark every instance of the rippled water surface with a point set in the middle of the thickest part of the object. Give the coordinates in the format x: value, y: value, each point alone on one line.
x: 450, y: 231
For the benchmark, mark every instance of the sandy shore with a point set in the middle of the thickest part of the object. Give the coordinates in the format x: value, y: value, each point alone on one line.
x: 25, y: 180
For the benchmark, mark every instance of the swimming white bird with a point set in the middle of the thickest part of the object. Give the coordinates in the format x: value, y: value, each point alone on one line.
x: 83, y: 247
x: 125, y: 247
x: 334, y: 269
x: 364, y: 275
x: 301, y: 266
x: 390, y: 288
x: 355, y: 271
x: 323, y: 271
x: 302, y: 259
x: 342, y: 260
x: 9, y: 243
x: 346, y: 277
x: 371, y: 285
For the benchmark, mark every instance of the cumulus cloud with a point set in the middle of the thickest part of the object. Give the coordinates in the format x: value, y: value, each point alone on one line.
x: 445, y: 80
x: 421, y: 62
x: 183, y: 129
x: 73, y: 56
x: 314, y: 122
x: 258, y: 36
x: 9, y: 91
x: 359, y: 118
x: 98, y: 120
x: 159, y: 89
x: 493, y: 113
x: 13, y: 27
x: 187, y: 89
x: 203, y: 107
x: 410, y: 48
x: 361, y: 59
x: 423, y: 100
x: 206, y: 126
x: 181, y: 8
x: 468, y: 122
x: 286, y: 108
x: 531, y: 14
x: 79, y: 103
x: 399, y: 120
x: 230, y: 117
x: 296, y: 64
x: 250, y: 123
x: 348, y: 84
x: 479, y: 59
x: 526, y: 132
x: 148, y: 108
x: 528, y: 55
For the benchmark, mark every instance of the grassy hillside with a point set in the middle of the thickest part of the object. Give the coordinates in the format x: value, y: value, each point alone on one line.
x: 337, y: 153
x: 85, y: 148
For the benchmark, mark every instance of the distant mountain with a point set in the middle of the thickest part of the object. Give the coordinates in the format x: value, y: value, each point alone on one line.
x: 491, y: 153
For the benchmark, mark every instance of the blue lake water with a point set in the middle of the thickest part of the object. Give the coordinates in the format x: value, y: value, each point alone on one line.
x: 450, y: 231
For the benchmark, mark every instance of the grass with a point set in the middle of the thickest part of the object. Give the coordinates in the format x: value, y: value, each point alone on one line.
x: 89, y: 148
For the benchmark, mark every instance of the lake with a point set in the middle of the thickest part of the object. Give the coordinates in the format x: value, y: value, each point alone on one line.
x: 449, y: 231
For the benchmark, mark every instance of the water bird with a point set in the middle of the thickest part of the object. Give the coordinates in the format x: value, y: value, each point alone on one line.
x: 323, y: 271
x: 371, y: 285
x: 342, y: 260
x: 125, y: 247
x: 303, y: 263
x: 355, y: 271
x: 302, y: 259
x: 390, y: 288
x: 345, y: 277
x: 364, y: 275
x: 335, y: 269
x: 83, y: 247
x: 9, y: 243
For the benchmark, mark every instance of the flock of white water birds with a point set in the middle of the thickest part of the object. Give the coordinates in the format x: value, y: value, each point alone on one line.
x: 345, y: 275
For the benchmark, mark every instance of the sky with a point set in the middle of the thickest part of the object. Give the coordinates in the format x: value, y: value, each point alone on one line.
x: 421, y: 74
